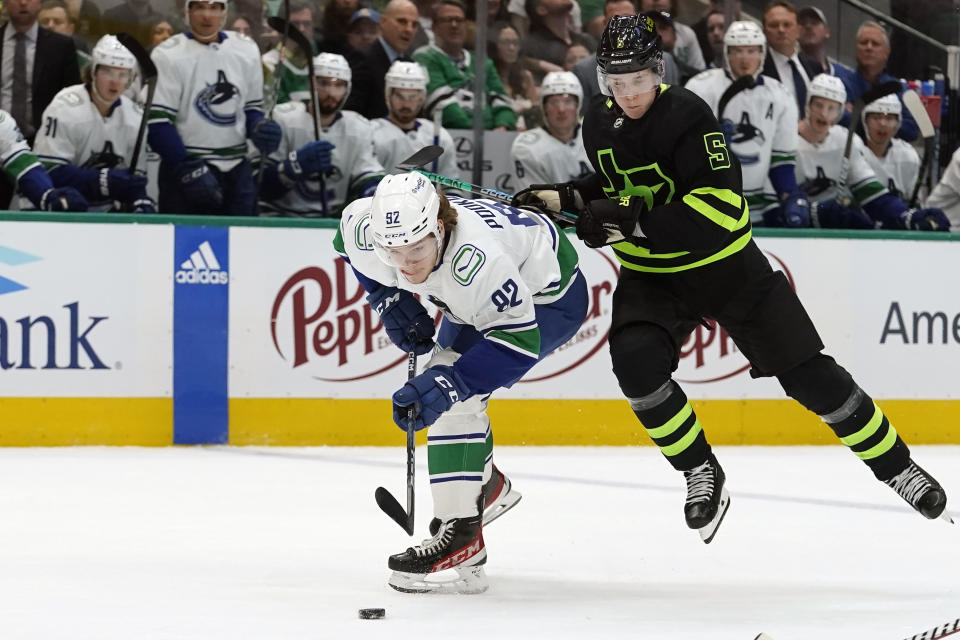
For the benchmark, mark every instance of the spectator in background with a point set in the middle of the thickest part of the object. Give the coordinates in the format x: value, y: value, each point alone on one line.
x: 711, y: 45
x: 946, y: 194
x: 161, y: 29
x: 872, y: 52
x: 294, y: 71
x: 235, y: 22
x: 545, y: 45
x: 402, y: 133
x: 520, y: 17
x: 686, y: 49
x: 364, y: 29
x: 398, y: 25
x: 785, y: 62
x: 450, y: 67
x: 132, y: 16
x: 716, y: 26
x: 895, y: 162
x: 674, y: 71
x: 86, y: 16
x: 331, y: 33
x: 575, y: 54
x: 814, y: 33
x: 586, y: 69
x: 503, y: 47
x: 54, y: 16
x: 554, y: 152
x: 496, y: 12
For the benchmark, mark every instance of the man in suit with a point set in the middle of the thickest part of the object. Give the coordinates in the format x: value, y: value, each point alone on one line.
x: 785, y: 62
x: 35, y: 64
x: 398, y: 25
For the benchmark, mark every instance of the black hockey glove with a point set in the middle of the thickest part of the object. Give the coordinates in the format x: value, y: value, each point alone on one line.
x: 609, y: 221
x: 551, y: 198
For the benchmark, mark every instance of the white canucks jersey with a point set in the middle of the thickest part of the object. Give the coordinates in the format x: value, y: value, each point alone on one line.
x: 205, y: 90
x: 498, y: 263
x: 354, y: 162
x: 763, y: 122
x: 72, y: 131
x: 540, y: 158
x: 16, y: 154
x: 946, y: 193
x: 819, y: 167
x: 393, y: 145
x: 898, y: 169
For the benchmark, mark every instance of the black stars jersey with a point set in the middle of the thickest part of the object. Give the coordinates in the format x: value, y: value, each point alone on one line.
x: 676, y: 160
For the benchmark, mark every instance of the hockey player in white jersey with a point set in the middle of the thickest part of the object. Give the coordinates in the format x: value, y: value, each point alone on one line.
x: 895, y: 161
x: 510, y: 290
x: 401, y: 133
x: 27, y: 174
x: 89, y: 131
x: 208, y: 103
x: 858, y: 199
x: 308, y: 177
x: 553, y: 152
x: 759, y: 125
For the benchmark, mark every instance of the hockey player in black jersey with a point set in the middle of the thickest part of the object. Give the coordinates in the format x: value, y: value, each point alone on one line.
x: 667, y: 196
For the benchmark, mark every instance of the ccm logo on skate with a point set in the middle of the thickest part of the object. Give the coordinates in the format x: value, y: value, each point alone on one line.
x: 461, y: 556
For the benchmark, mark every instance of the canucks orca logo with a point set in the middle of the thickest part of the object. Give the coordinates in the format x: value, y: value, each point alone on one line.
x: 106, y: 158
x: 744, y: 131
x: 819, y: 184
x: 218, y: 102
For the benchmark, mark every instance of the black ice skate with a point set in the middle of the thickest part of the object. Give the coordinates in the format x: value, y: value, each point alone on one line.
x: 457, y: 547
x: 499, y: 496
x: 707, y: 498
x: 921, y: 492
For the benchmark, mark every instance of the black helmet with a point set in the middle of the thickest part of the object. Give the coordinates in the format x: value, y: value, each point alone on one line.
x: 628, y: 44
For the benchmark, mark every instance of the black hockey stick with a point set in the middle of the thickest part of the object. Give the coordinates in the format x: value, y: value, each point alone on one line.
x: 868, y: 96
x: 279, y: 24
x: 740, y: 84
x: 385, y: 500
x: 913, y: 104
x: 421, y: 158
x: 275, y: 90
x: 148, y: 73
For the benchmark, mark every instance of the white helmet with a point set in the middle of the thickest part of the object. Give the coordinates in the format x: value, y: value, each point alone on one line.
x: 558, y: 83
x: 829, y: 87
x: 744, y: 33
x: 406, y: 75
x: 404, y: 210
x: 889, y: 103
x: 108, y: 52
x: 333, y: 65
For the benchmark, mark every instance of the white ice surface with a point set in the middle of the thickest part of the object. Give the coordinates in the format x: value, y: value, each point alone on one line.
x: 269, y: 543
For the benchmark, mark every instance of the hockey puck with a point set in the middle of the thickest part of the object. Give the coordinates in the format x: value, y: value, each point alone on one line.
x: 372, y: 614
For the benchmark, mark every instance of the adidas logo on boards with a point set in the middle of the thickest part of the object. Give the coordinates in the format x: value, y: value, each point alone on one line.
x: 202, y: 267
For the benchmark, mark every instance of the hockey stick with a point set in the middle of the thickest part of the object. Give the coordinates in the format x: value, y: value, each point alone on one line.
x: 148, y: 71
x: 939, y: 631
x: 437, y: 121
x: 868, y: 96
x: 273, y: 95
x: 740, y: 84
x: 279, y: 24
x: 422, y: 157
x: 913, y: 104
x: 385, y: 500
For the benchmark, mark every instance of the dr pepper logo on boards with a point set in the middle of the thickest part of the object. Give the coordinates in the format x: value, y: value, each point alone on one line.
x: 321, y: 324
x: 710, y: 355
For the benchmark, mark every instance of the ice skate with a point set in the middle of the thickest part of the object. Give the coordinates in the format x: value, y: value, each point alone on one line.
x: 499, y: 496
x: 921, y: 492
x: 449, y: 562
x: 707, y: 498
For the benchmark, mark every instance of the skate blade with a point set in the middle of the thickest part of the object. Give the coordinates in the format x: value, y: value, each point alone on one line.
x: 503, y: 504
x: 710, y: 529
x: 467, y: 580
x: 943, y: 516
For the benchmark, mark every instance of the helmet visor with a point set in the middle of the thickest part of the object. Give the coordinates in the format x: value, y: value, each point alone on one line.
x: 409, y: 255
x: 626, y: 85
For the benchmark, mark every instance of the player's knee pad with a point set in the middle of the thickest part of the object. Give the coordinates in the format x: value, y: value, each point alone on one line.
x: 643, y: 358
x: 819, y: 384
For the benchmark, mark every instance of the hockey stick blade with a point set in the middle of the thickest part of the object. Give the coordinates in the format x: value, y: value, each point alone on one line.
x: 421, y: 158
x: 280, y: 25
x: 148, y: 72
x: 740, y: 84
x: 389, y: 505
x: 919, y: 112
